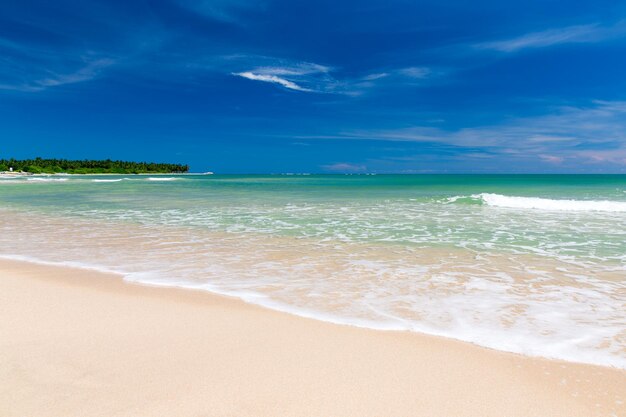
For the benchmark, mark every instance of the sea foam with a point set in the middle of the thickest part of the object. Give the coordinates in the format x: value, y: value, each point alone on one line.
x: 498, y: 200
x: 46, y: 179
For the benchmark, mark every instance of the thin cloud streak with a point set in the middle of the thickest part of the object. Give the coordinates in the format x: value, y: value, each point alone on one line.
x: 271, y: 79
x: 345, y: 167
x: 415, y: 72
x: 316, y: 78
x: 300, y: 76
x: 572, y: 34
x: 88, y: 72
x: 589, y: 134
x: 299, y: 69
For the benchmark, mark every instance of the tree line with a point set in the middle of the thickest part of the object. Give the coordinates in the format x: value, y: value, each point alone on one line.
x: 89, y: 166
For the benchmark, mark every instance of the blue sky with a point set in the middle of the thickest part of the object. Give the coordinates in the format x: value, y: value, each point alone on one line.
x: 238, y: 86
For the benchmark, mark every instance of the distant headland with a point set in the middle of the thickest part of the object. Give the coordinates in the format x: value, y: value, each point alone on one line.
x: 88, y: 166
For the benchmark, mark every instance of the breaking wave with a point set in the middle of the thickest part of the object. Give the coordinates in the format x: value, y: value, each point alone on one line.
x: 536, y: 203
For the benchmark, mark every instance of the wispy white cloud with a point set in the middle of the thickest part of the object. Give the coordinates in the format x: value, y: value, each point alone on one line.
x: 317, y: 78
x: 227, y: 11
x: 295, y: 69
x: 589, y: 134
x: 271, y: 79
x: 299, y: 76
x: 375, y: 76
x: 89, y: 70
x: 553, y: 159
x: 415, y: 72
x: 345, y: 167
x: 571, y: 34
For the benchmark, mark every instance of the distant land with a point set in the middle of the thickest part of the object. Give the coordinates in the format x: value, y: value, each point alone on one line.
x: 89, y: 166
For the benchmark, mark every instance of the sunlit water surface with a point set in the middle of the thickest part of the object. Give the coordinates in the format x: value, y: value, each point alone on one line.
x: 529, y: 264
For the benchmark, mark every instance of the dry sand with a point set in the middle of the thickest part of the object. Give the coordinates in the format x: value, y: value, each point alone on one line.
x: 81, y: 343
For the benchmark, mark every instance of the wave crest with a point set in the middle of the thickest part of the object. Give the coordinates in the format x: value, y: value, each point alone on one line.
x: 46, y: 179
x: 498, y: 200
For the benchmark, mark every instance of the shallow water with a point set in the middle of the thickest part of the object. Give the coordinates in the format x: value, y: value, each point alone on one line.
x: 529, y: 264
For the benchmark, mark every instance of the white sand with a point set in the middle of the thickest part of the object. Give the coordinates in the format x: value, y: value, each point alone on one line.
x: 80, y: 343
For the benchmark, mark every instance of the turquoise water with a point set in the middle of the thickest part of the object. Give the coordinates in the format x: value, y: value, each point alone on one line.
x: 533, y: 264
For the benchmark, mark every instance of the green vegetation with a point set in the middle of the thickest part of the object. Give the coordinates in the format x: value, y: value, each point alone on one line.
x: 53, y: 166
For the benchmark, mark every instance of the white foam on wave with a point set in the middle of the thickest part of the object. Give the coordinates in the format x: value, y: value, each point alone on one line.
x: 154, y: 279
x: 454, y: 199
x: 46, y: 179
x: 162, y: 178
x: 498, y: 200
x: 522, y: 341
x: 67, y: 264
x: 111, y: 180
x: 474, y: 312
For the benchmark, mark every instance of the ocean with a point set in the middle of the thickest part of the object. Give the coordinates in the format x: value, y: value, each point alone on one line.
x: 532, y: 264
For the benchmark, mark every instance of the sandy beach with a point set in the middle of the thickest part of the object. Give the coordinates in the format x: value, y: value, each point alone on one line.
x: 82, y: 343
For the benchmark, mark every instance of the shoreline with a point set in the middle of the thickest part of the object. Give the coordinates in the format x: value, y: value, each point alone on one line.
x: 150, y: 268
x: 285, y: 309
x: 88, y: 343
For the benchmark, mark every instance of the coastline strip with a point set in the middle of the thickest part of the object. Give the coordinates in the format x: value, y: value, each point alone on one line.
x: 80, y: 342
